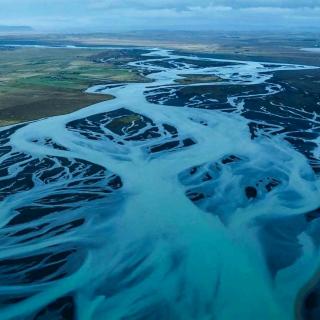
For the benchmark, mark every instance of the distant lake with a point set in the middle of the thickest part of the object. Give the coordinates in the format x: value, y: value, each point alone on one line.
x: 317, y: 50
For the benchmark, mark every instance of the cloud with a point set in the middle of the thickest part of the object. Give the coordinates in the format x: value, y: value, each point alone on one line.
x: 118, y: 15
x: 187, y: 4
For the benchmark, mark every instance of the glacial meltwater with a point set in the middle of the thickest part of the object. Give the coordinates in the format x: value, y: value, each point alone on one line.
x: 178, y: 199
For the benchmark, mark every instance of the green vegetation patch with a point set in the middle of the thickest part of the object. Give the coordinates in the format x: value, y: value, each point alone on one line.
x: 41, y: 82
x: 195, y: 78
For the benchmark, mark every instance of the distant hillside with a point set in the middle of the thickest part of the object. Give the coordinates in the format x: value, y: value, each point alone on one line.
x: 15, y: 28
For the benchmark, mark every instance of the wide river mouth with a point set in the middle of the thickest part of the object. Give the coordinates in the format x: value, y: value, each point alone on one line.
x: 192, y: 196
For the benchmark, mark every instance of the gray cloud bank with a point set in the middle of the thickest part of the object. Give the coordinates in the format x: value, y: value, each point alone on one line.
x: 187, y: 4
x: 124, y: 15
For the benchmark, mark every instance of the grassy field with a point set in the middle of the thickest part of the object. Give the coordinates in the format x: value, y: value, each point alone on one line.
x: 42, y: 82
x: 195, y: 78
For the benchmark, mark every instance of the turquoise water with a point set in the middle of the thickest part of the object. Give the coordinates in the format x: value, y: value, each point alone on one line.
x: 130, y: 209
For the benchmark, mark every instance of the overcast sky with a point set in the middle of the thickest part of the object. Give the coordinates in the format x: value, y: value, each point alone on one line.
x: 124, y: 15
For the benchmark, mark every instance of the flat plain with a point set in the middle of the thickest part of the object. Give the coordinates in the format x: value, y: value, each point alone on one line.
x: 41, y: 82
